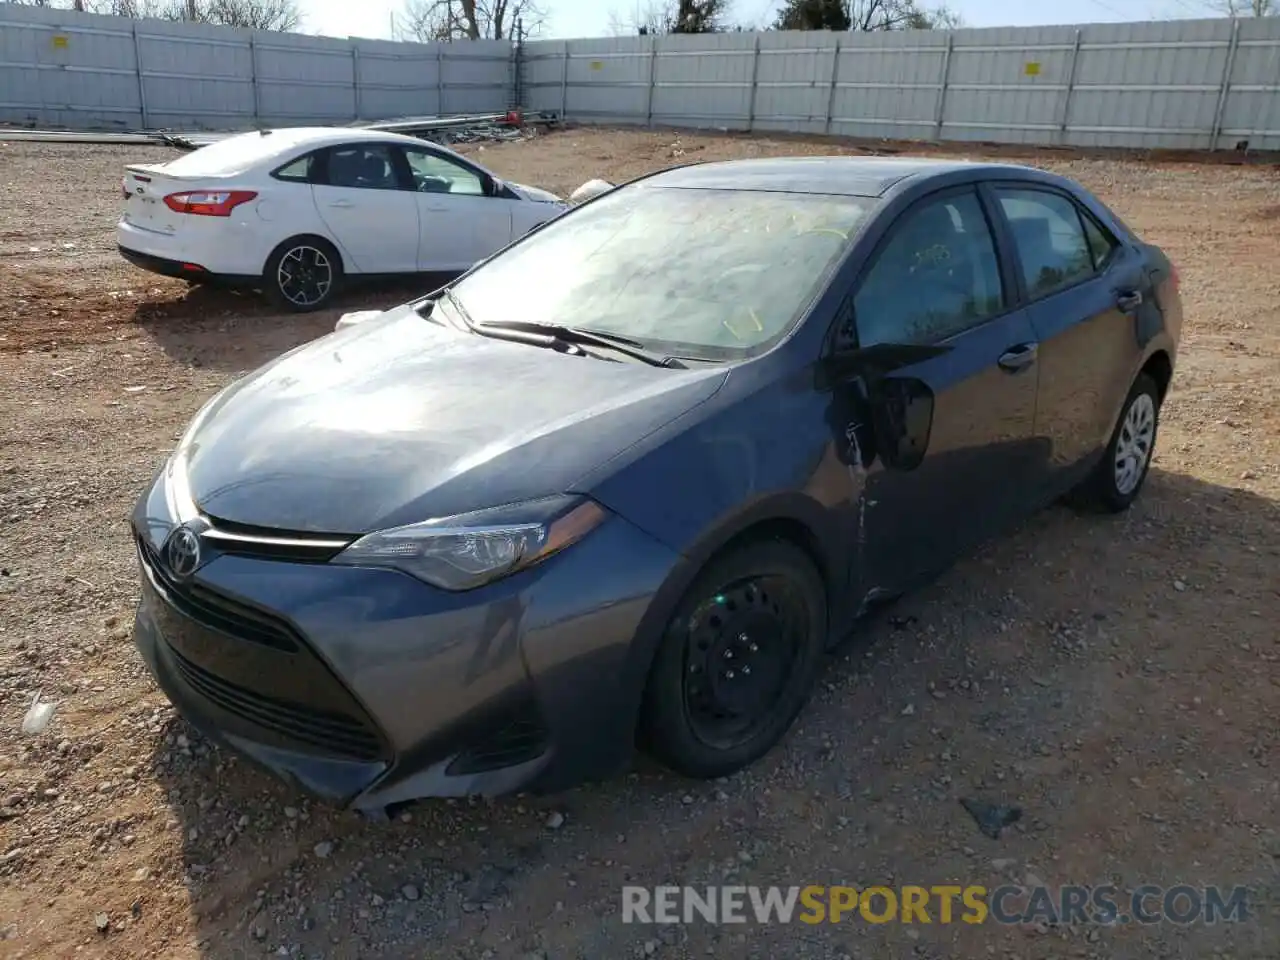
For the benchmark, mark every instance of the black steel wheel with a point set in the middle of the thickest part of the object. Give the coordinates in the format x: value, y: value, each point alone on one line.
x: 303, y: 274
x: 737, y: 660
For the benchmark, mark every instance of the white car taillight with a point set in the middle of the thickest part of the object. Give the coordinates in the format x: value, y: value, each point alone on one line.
x: 208, y: 203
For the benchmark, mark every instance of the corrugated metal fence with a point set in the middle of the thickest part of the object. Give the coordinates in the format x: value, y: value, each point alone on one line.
x: 1189, y: 84
x: 1183, y: 83
x: 86, y: 71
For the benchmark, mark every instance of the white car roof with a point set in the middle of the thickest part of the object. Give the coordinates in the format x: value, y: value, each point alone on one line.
x: 244, y: 151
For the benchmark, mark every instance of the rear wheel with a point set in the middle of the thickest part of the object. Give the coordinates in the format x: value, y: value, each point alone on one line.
x: 302, y: 274
x: 737, y: 660
x: 1117, y: 480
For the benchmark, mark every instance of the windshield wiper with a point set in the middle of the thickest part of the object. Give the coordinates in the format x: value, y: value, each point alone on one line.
x: 610, y: 341
x: 453, y: 301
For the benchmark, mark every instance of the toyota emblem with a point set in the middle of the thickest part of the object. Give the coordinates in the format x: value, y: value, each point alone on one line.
x: 182, y: 552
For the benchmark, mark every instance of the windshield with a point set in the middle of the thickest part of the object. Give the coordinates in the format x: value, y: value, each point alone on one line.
x: 715, y: 274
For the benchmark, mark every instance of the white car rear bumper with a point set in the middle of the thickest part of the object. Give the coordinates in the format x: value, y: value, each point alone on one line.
x: 221, y: 252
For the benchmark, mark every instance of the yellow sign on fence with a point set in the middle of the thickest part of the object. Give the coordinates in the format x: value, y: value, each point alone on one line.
x: 1032, y: 69
x: 59, y: 41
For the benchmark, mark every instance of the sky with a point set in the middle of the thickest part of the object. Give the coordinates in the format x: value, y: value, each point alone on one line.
x: 592, y: 18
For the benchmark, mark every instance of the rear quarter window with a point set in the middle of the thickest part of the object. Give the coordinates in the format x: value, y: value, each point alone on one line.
x: 302, y: 170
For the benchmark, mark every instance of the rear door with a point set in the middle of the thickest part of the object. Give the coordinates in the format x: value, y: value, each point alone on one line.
x: 945, y: 361
x: 460, y: 220
x: 1086, y: 292
x: 359, y: 197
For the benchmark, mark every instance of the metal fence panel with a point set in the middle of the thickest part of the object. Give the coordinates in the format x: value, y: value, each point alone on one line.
x: 704, y: 81
x: 395, y: 82
x: 1181, y: 83
x: 1251, y: 111
x: 63, y: 68
x: 1188, y: 83
x: 72, y: 69
x: 793, y: 81
x: 889, y: 86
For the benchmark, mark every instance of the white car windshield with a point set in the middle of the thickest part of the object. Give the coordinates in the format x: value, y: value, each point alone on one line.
x: 703, y: 273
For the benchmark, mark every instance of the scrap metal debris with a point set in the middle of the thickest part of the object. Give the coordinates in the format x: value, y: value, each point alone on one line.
x: 38, y: 716
x: 991, y: 817
x: 512, y: 125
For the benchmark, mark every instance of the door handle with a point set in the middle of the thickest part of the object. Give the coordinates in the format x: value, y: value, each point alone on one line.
x: 1129, y: 300
x: 341, y: 204
x: 1017, y: 359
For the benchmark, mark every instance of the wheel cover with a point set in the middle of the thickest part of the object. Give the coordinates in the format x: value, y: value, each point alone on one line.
x: 305, y: 275
x: 1133, y: 445
x: 743, y: 644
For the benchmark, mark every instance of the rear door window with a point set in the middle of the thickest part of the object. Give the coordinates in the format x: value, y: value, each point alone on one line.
x: 1050, y: 239
x: 936, y: 276
x: 363, y: 166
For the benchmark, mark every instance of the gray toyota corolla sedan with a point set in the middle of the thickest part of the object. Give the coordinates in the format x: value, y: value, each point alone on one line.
x: 626, y: 481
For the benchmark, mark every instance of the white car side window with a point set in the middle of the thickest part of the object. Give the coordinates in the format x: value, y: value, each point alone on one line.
x: 364, y: 167
x: 433, y: 173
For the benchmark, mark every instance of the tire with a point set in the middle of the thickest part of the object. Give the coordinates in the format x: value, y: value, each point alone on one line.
x: 1119, y: 476
x: 767, y: 591
x: 320, y: 264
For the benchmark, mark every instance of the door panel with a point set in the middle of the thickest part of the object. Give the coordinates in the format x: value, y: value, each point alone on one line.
x: 371, y: 218
x: 459, y: 223
x: 940, y: 438
x: 1086, y: 291
x: 971, y: 454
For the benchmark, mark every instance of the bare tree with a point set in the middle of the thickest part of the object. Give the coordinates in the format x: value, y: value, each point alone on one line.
x: 428, y: 20
x: 672, y: 16
x: 863, y: 15
x: 282, y: 15
x: 1246, y: 8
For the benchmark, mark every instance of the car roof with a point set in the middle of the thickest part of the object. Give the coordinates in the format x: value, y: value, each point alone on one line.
x: 244, y: 151
x: 843, y: 176
x: 325, y: 136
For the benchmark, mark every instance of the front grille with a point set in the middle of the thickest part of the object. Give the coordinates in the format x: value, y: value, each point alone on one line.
x: 218, y: 612
x: 266, y: 543
x: 516, y: 740
x: 335, y: 734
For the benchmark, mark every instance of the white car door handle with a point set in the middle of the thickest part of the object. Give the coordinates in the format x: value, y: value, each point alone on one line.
x: 341, y: 204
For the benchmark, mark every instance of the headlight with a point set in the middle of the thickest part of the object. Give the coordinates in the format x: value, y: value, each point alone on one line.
x: 471, y: 549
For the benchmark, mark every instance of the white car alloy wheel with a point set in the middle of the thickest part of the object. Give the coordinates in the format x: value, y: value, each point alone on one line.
x: 305, y: 275
x: 1133, y: 445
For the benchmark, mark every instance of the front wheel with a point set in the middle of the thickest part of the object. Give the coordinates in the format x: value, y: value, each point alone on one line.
x: 737, y: 660
x: 302, y: 274
x: 1118, y: 478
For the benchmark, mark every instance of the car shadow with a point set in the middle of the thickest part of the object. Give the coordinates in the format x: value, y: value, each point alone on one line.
x: 238, y: 330
x: 266, y: 869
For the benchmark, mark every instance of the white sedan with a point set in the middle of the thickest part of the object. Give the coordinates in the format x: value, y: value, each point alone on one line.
x: 296, y: 210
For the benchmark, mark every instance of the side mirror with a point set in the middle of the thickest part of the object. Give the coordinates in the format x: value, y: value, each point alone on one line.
x: 897, y: 409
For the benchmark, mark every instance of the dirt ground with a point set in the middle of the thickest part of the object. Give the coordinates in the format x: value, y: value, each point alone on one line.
x: 1118, y: 678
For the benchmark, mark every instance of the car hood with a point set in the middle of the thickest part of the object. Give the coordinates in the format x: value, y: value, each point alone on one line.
x: 534, y: 194
x: 398, y: 420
